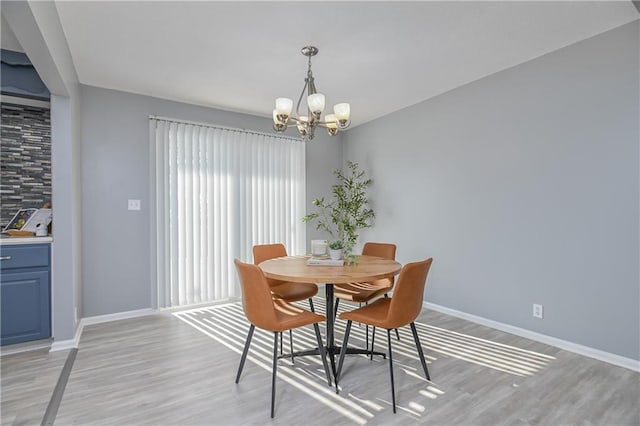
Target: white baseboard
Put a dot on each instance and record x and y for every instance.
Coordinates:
(17, 348)
(98, 319)
(202, 305)
(63, 345)
(608, 357)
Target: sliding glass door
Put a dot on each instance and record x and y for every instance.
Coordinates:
(219, 191)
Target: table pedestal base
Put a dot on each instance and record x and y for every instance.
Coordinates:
(332, 353)
(331, 349)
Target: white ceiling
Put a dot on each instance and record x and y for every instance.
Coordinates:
(379, 56)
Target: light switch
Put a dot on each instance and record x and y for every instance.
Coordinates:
(134, 205)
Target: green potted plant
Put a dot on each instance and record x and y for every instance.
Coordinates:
(347, 212)
(335, 249)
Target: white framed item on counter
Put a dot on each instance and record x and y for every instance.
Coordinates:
(29, 220)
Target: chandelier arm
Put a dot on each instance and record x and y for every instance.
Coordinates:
(318, 123)
(306, 83)
(312, 86)
(345, 125)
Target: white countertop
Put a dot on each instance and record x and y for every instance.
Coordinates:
(7, 240)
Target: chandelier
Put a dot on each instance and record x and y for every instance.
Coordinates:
(308, 122)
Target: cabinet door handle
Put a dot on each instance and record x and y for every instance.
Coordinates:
(5, 257)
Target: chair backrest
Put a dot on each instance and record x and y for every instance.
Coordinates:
(257, 301)
(387, 251)
(264, 252)
(384, 250)
(406, 303)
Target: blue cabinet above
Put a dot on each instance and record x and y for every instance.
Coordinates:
(20, 78)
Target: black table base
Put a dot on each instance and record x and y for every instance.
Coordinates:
(331, 349)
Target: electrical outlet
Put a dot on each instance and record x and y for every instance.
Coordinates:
(133, 205)
(538, 311)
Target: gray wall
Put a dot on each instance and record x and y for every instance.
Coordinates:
(115, 167)
(66, 254)
(523, 186)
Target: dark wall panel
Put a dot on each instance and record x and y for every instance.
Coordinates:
(25, 159)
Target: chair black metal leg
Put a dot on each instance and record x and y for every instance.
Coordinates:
(273, 375)
(311, 305)
(323, 354)
(397, 333)
(343, 352)
(290, 344)
(366, 339)
(335, 308)
(281, 343)
(373, 339)
(419, 347)
(245, 351)
(393, 390)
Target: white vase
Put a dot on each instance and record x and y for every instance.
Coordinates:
(335, 254)
(318, 248)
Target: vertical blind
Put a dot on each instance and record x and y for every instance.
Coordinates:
(219, 191)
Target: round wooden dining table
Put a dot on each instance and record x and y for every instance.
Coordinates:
(296, 269)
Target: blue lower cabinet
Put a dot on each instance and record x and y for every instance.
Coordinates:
(24, 295)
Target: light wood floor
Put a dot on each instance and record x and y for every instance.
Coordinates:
(179, 369)
(27, 381)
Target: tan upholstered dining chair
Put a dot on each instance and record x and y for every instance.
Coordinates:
(289, 292)
(368, 291)
(391, 313)
(275, 315)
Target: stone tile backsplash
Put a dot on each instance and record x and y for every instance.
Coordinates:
(25, 159)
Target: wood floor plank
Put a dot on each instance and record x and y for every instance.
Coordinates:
(179, 368)
(27, 381)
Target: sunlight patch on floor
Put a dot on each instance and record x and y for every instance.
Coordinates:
(227, 325)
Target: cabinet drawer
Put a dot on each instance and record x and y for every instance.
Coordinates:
(24, 256)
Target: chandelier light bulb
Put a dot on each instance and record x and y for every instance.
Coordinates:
(277, 119)
(284, 106)
(302, 126)
(342, 111)
(332, 122)
(278, 125)
(316, 103)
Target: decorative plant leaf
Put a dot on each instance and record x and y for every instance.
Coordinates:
(348, 212)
